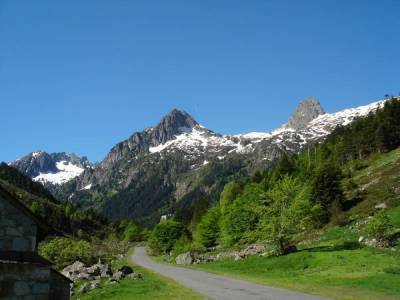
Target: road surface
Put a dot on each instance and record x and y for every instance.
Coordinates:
(217, 286)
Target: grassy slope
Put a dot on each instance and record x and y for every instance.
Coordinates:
(337, 266)
(152, 286)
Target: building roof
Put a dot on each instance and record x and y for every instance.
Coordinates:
(44, 228)
(61, 276)
(20, 257)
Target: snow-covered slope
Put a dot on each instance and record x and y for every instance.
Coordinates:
(199, 139)
(53, 168)
(65, 172)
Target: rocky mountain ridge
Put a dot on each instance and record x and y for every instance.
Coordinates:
(179, 162)
(51, 168)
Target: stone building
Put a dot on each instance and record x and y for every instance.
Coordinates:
(23, 273)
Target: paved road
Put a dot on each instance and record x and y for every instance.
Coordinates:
(216, 286)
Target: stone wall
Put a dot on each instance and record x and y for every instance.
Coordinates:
(17, 231)
(59, 287)
(24, 281)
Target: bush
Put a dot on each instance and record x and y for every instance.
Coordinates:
(145, 234)
(379, 226)
(132, 233)
(182, 245)
(164, 236)
(207, 231)
(64, 251)
(240, 218)
(237, 223)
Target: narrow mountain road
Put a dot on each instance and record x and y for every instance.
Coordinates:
(216, 286)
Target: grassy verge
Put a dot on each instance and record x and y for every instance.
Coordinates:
(152, 286)
(337, 267)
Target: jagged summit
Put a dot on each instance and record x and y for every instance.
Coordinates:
(175, 122)
(306, 111)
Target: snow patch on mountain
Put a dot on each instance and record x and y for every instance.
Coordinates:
(36, 154)
(193, 139)
(67, 171)
(87, 187)
(199, 139)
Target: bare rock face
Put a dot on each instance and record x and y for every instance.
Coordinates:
(184, 259)
(305, 112)
(173, 123)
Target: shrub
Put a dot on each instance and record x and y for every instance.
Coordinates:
(132, 233)
(64, 251)
(207, 231)
(164, 236)
(237, 223)
(241, 217)
(379, 226)
(182, 245)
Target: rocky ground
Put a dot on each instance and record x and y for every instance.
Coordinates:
(93, 275)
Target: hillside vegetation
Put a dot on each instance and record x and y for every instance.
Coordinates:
(331, 261)
(310, 211)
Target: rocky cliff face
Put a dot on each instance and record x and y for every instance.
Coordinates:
(308, 110)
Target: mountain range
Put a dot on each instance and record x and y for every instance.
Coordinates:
(178, 164)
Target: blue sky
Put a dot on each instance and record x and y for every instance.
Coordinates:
(80, 76)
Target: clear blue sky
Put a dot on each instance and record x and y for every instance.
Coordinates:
(80, 76)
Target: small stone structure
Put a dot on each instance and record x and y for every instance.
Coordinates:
(23, 273)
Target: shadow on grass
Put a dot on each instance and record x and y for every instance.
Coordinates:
(340, 247)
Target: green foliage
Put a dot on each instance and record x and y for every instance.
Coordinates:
(379, 226)
(289, 211)
(240, 218)
(64, 251)
(164, 236)
(326, 190)
(208, 230)
(132, 233)
(145, 234)
(182, 245)
(228, 195)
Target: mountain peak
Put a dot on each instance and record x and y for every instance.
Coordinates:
(306, 111)
(175, 122)
(179, 117)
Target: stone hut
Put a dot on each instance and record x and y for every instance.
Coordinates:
(23, 273)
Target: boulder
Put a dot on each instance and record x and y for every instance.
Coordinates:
(99, 269)
(95, 284)
(126, 270)
(117, 276)
(94, 270)
(381, 205)
(75, 271)
(184, 259)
